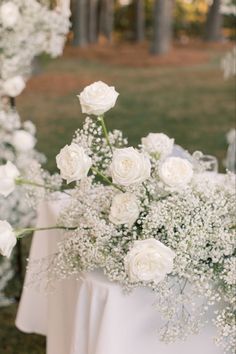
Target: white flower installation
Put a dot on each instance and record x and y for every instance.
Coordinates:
(151, 222)
(27, 29)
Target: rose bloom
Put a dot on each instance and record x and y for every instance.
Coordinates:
(149, 261)
(176, 172)
(14, 86)
(8, 174)
(98, 98)
(124, 209)
(73, 163)
(7, 238)
(158, 144)
(9, 14)
(129, 166)
(23, 141)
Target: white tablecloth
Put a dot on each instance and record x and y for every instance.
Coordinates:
(92, 315)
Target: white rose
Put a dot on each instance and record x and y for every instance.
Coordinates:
(176, 172)
(23, 141)
(73, 163)
(98, 98)
(158, 144)
(124, 209)
(8, 174)
(9, 14)
(7, 238)
(129, 166)
(14, 86)
(149, 260)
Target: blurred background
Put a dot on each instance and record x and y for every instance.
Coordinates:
(164, 57)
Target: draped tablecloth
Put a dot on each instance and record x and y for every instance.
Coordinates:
(92, 315)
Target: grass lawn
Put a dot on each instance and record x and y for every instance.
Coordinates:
(193, 104)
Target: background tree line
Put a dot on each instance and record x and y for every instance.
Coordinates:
(156, 20)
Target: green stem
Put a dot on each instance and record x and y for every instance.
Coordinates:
(104, 128)
(106, 179)
(21, 181)
(21, 232)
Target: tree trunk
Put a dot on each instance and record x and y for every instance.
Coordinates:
(214, 22)
(139, 20)
(162, 37)
(93, 21)
(106, 20)
(79, 22)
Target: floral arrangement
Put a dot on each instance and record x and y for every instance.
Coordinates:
(143, 216)
(17, 145)
(27, 29)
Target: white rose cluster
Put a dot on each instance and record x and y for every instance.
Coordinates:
(98, 98)
(149, 260)
(129, 167)
(73, 163)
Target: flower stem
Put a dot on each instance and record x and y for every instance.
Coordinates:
(106, 179)
(21, 181)
(22, 232)
(104, 128)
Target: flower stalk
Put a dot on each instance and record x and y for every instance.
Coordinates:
(22, 181)
(105, 132)
(106, 179)
(23, 232)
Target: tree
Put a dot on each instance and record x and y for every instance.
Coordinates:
(162, 31)
(93, 21)
(79, 22)
(213, 22)
(106, 18)
(139, 20)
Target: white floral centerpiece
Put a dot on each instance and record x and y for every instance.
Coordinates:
(145, 218)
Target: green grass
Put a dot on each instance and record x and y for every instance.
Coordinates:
(193, 104)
